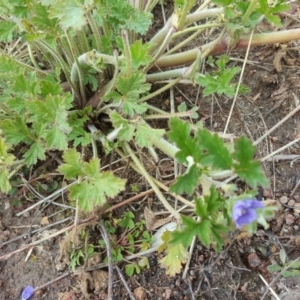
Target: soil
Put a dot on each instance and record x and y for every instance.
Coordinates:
(236, 273)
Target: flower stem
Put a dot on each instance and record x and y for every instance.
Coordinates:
(151, 182)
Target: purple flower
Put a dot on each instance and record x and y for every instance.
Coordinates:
(27, 292)
(244, 211)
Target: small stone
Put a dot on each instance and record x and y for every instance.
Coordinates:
(297, 197)
(168, 294)
(291, 203)
(253, 260)
(283, 199)
(274, 249)
(267, 193)
(297, 240)
(289, 219)
(260, 233)
(297, 208)
(139, 293)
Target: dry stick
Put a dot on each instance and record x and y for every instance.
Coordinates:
(134, 198)
(239, 83)
(150, 191)
(52, 281)
(125, 283)
(271, 290)
(35, 231)
(280, 149)
(295, 188)
(297, 108)
(191, 250)
(161, 185)
(149, 179)
(191, 289)
(49, 199)
(284, 157)
(109, 258)
(277, 277)
(172, 107)
(28, 246)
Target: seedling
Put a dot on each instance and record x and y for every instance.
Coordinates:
(287, 267)
(132, 237)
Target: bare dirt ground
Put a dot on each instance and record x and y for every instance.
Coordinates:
(273, 74)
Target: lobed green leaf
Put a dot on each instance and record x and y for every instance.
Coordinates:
(246, 168)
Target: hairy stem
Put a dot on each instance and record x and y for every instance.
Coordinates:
(189, 56)
(151, 182)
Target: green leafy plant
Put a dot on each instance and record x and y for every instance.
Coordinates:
(80, 254)
(128, 237)
(66, 66)
(287, 267)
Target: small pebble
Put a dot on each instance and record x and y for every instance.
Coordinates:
(267, 193)
(253, 260)
(297, 197)
(283, 199)
(297, 241)
(291, 203)
(289, 219)
(297, 208)
(139, 293)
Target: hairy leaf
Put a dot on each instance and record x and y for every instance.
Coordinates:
(246, 168)
(127, 130)
(216, 154)
(176, 254)
(186, 182)
(95, 189)
(35, 152)
(186, 235)
(139, 54)
(73, 166)
(94, 186)
(145, 135)
(180, 134)
(7, 29)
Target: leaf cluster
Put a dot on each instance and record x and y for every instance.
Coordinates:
(288, 268)
(176, 254)
(219, 82)
(93, 186)
(242, 16)
(204, 151)
(210, 225)
(127, 237)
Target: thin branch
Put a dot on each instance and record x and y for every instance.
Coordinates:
(28, 246)
(34, 231)
(125, 283)
(151, 182)
(109, 258)
(239, 83)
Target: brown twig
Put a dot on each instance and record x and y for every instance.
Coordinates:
(26, 247)
(125, 283)
(109, 258)
(35, 231)
(52, 281)
(191, 289)
(134, 198)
